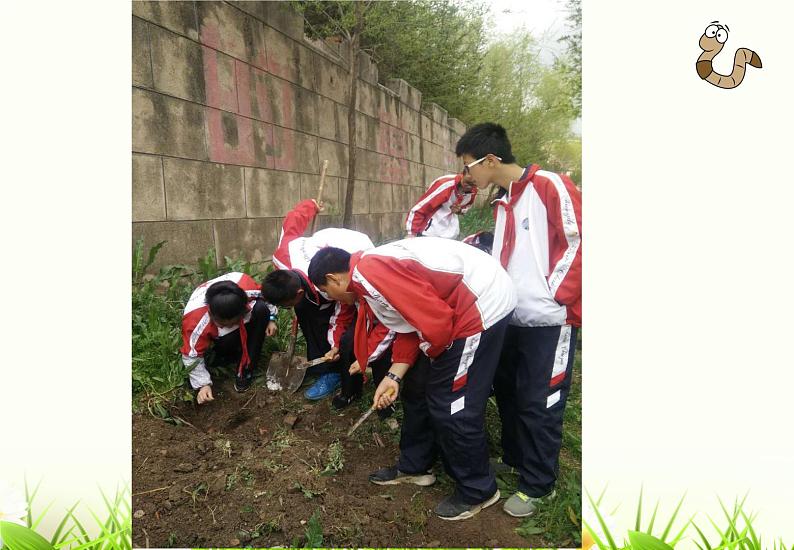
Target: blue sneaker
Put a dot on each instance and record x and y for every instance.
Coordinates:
(325, 385)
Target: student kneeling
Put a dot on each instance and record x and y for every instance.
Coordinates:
(229, 312)
(453, 302)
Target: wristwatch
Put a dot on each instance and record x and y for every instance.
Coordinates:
(394, 377)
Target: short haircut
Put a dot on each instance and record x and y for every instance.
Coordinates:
(483, 139)
(226, 300)
(328, 260)
(281, 286)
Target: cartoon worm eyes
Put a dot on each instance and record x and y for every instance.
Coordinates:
(714, 37)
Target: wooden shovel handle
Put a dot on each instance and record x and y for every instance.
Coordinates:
(323, 170)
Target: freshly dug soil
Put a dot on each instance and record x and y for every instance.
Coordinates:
(251, 469)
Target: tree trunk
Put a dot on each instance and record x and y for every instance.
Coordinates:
(353, 47)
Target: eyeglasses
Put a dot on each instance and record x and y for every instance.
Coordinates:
(467, 167)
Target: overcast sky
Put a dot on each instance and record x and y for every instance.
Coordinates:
(545, 19)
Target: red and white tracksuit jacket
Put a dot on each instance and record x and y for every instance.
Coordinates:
(434, 209)
(538, 239)
(295, 252)
(430, 291)
(198, 329)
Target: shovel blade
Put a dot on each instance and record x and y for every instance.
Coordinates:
(284, 376)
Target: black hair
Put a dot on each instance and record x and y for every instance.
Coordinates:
(485, 138)
(328, 260)
(226, 300)
(485, 241)
(281, 286)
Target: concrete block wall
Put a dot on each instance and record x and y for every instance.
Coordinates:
(233, 111)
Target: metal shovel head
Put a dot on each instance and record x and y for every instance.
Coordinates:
(285, 376)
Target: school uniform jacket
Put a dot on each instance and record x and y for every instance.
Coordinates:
(199, 331)
(430, 291)
(295, 252)
(538, 239)
(432, 216)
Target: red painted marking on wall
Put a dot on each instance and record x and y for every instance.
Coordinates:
(219, 94)
(264, 105)
(284, 145)
(288, 105)
(220, 150)
(210, 34)
(243, 75)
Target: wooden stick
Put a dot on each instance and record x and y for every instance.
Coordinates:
(323, 169)
(186, 422)
(151, 491)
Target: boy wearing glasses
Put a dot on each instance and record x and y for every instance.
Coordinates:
(436, 212)
(537, 239)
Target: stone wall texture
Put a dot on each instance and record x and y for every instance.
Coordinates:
(233, 110)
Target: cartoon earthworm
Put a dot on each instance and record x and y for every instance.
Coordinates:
(711, 43)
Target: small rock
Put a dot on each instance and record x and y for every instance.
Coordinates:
(168, 505)
(262, 430)
(164, 452)
(234, 542)
(290, 420)
(138, 514)
(244, 536)
(433, 544)
(308, 407)
(303, 522)
(184, 467)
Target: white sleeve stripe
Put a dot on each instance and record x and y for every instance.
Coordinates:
(421, 203)
(332, 323)
(382, 346)
(371, 290)
(279, 264)
(196, 334)
(571, 229)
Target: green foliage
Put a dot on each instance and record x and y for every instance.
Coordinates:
(531, 100)
(571, 64)
(438, 49)
(736, 531)
(314, 531)
(115, 529)
(479, 218)
(336, 459)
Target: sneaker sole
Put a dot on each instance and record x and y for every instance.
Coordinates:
(423, 480)
(471, 513)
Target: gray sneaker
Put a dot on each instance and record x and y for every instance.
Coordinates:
(520, 505)
(453, 508)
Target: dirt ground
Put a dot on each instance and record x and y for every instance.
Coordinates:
(251, 469)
